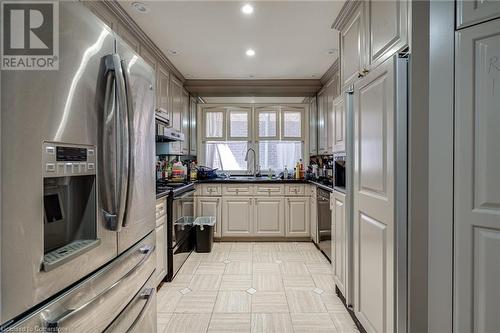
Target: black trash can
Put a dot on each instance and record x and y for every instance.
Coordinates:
(204, 233)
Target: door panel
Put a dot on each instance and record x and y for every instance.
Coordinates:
(471, 12)
(477, 182)
(268, 217)
(388, 29)
(297, 217)
(373, 194)
(352, 40)
(340, 125)
(237, 213)
(339, 242)
(140, 214)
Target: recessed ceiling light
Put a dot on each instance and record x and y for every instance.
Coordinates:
(247, 9)
(140, 7)
(251, 76)
(173, 52)
(332, 51)
(250, 52)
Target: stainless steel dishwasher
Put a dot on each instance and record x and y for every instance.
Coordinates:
(324, 222)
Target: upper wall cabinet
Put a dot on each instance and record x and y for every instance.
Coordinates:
(473, 12)
(388, 27)
(163, 107)
(128, 37)
(185, 122)
(370, 32)
(192, 126)
(313, 129)
(175, 103)
(353, 44)
(339, 130)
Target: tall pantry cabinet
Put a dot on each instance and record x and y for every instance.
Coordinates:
(477, 162)
(372, 33)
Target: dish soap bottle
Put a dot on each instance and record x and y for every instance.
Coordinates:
(285, 173)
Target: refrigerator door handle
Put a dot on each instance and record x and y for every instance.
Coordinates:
(129, 137)
(115, 154)
(56, 324)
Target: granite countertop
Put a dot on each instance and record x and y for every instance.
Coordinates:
(260, 180)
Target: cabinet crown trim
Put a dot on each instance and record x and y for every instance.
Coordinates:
(349, 7)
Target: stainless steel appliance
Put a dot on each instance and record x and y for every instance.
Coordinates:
(78, 184)
(324, 222)
(180, 218)
(339, 171)
(165, 133)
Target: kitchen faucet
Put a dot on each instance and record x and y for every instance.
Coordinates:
(254, 161)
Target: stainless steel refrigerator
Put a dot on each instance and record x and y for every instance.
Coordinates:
(78, 197)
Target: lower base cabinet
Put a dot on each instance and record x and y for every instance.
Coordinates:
(268, 217)
(339, 233)
(210, 206)
(161, 269)
(237, 216)
(297, 217)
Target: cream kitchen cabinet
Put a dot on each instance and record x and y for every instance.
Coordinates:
(313, 127)
(210, 206)
(388, 29)
(237, 190)
(185, 122)
(297, 217)
(237, 216)
(322, 122)
(330, 120)
(160, 233)
(128, 37)
(163, 94)
(314, 214)
(161, 253)
(473, 12)
(295, 189)
(339, 129)
(353, 43)
(268, 216)
(208, 190)
(339, 240)
(175, 91)
(477, 181)
(193, 150)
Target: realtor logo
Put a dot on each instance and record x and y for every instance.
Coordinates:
(30, 35)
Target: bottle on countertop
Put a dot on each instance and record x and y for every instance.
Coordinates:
(193, 171)
(301, 169)
(297, 171)
(285, 173)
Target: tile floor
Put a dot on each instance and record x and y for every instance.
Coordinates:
(253, 287)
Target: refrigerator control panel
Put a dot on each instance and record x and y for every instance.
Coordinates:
(61, 160)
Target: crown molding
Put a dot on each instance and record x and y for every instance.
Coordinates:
(127, 21)
(330, 73)
(257, 88)
(345, 14)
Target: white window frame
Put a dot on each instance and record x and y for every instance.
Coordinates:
(253, 138)
(290, 109)
(267, 109)
(246, 110)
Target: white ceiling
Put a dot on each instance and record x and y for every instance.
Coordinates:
(238, 100)
(291, 38)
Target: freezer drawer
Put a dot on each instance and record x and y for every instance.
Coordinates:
(140, 314)
(92, 305)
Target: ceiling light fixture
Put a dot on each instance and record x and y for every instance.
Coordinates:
(173, 52)
(247, 9)
(140, 7)
(332, 51)
(250, 53)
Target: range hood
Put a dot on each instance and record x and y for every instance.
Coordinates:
(167, 134)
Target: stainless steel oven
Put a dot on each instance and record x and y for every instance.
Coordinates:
(180, 218)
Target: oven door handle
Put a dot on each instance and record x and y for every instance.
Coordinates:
(185, 195)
